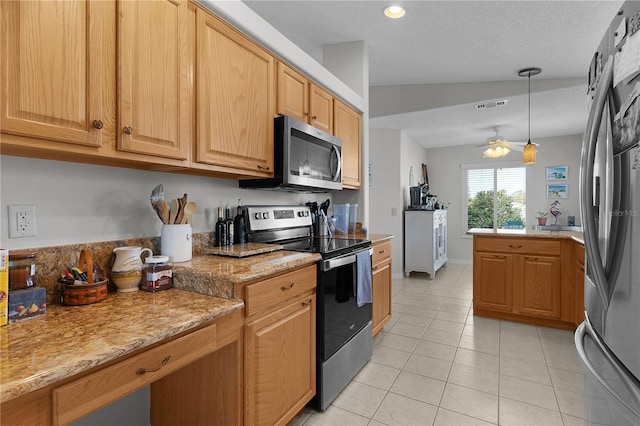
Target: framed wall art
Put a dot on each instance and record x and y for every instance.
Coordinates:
(557, 191)
(557, 172)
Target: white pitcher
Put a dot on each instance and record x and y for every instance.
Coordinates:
(126, 272)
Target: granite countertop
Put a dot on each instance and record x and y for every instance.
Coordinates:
(68, 340)
(220, 275)
(374, 238)
(573, 235)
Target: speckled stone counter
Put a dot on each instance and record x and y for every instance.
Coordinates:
(220, 275)
(575, 236)
(72, 339)
(374, 238)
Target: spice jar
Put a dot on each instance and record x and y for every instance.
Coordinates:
(157, 274)
(22, 268)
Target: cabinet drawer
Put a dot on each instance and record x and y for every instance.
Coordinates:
(519, 245)
(271, 292)
(82, 396)
(381, 251)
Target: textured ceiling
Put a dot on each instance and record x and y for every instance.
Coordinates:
(461, 42)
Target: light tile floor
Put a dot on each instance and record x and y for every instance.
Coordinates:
(437, 364)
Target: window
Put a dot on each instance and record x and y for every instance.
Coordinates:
(495, 196)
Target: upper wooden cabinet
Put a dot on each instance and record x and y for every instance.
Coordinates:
(154, 114)
(53, 69)
(235, 101)
(302, 99)
(347, 124)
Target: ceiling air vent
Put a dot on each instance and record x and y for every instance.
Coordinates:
(491, 104)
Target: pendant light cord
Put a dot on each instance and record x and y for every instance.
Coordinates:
(529, 108)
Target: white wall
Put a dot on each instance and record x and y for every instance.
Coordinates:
(78, 203)
(445, 178)
(392, 155)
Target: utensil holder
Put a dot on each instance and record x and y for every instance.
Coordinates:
(175, 242)
(85, 294)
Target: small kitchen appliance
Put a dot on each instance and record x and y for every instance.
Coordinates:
(305, 159)
(343, 329)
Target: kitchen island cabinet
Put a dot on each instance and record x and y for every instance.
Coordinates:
(521, 278)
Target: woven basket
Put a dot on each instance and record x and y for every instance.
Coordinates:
(85, 294)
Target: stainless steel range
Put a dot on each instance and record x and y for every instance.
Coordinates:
(344, 330)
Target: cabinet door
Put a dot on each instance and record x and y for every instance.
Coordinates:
(346, 123)
(154, 78)
(53, 66)
(492, 281)
(280, 357)
(381, 309)
(235, 100)
(321, 108)
(537, 286)
(293, 93)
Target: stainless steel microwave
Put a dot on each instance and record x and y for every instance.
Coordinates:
(306, 159)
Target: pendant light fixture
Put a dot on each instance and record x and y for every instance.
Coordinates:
(529, 155)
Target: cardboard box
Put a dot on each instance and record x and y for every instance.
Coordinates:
(26, 304)
(4, 286)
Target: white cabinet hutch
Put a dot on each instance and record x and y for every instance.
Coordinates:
(425, 241)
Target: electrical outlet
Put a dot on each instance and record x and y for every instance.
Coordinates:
(394, 211)
(22, 221)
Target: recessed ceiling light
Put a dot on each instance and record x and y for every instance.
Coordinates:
(394, 12)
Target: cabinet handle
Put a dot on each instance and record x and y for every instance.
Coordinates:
(305, 303)
(375, 268)
(581, 269)
(499, 257)
(306, 114)
(285, 288)
(514, 247)
(263, 168)
(146, 370)
(128, 130)
(315, 117)
(534, 259)
(98, 124)
(381, 251)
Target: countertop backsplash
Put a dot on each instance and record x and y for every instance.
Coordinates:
(52, 261)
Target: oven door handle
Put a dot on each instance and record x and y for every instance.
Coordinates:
(329, 264)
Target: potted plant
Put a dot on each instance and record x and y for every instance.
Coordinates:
(542, 218)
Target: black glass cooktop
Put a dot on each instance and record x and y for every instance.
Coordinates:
(326, 246)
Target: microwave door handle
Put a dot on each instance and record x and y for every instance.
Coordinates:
(593, 256)
(336, 176)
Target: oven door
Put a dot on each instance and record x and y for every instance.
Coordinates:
(339, 317)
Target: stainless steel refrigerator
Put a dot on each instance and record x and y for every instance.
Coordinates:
(608, 341)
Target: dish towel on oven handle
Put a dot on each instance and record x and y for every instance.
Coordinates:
(363, 279)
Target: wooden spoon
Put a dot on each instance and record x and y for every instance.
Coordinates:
(180, 211)
(173, 211)
(164, 208)
(189, 209)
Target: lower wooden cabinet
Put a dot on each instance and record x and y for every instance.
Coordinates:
(280, 347)
(381, 283)
(521, 279)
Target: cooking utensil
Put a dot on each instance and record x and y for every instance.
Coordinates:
(180, 212)
(164, 209)
(157, 194)
(173, 211)
(189, 209)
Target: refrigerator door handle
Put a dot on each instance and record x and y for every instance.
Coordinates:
(586, 329)
(594, 259)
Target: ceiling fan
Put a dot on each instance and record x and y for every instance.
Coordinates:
(497, 146)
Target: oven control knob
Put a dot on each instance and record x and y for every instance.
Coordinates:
(258, 215)
(300, 214)
(265, 215)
